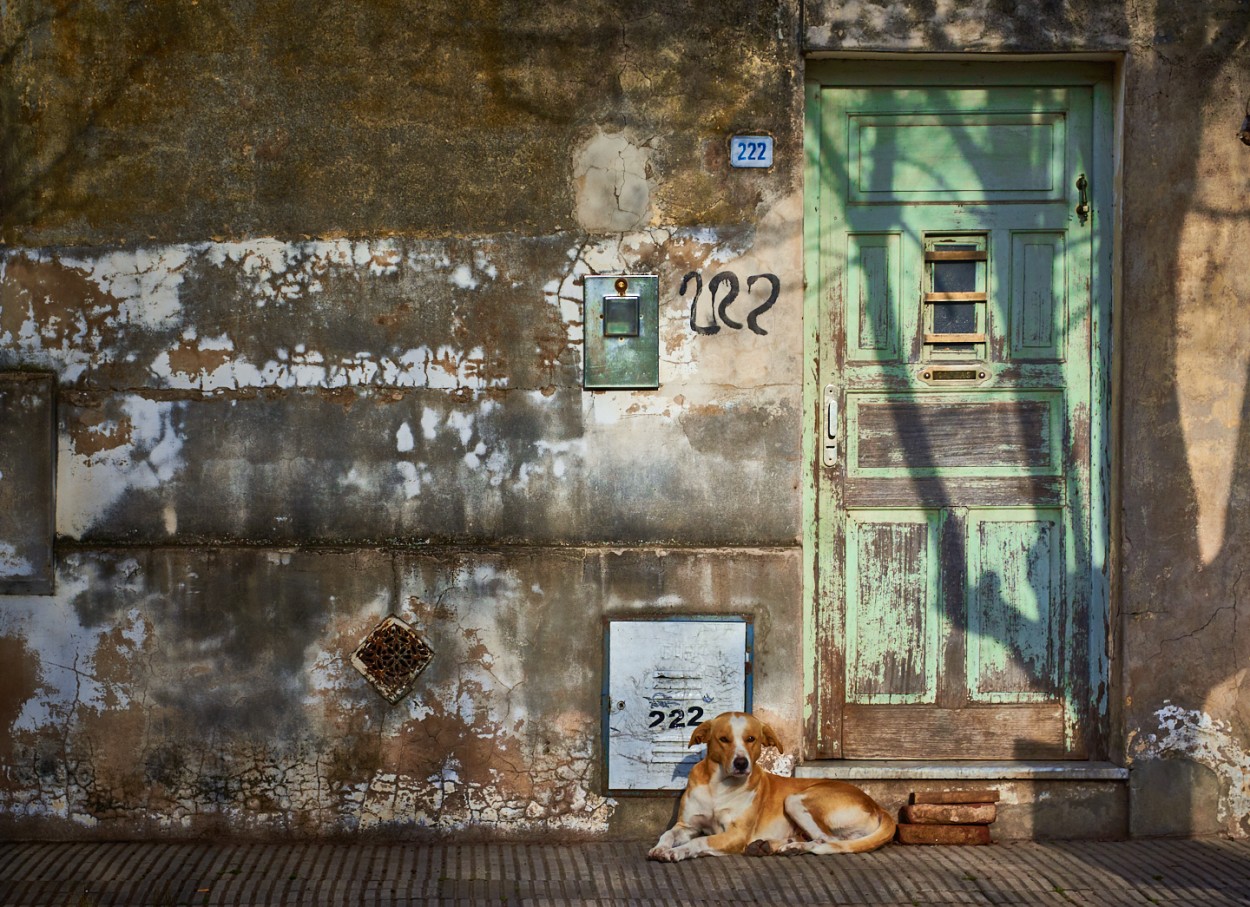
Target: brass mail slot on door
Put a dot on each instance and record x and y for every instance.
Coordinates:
(954, 376)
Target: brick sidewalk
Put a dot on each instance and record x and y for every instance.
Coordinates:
(613, 875)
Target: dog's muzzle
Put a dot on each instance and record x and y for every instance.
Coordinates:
(742, 765)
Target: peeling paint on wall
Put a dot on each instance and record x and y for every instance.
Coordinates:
(1196, 735)
(160, 316)
(129, 717)
(443, 368)
(144, 281)
(80, 314)
(177, 355)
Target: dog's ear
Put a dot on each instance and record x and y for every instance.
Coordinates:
(701, 733)
(770, 739)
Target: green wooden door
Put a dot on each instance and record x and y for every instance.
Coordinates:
(955, 278)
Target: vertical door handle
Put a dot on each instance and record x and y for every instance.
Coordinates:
(1082, 200)
(830, 440)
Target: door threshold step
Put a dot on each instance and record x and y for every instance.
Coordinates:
(919, 770)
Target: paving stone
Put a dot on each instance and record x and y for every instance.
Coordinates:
(319, 874)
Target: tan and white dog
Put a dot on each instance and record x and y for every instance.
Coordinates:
(732, 805)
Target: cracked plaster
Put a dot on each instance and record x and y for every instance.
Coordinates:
(90, 744)
(613, 183)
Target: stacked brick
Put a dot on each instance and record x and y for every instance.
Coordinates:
(949, 817)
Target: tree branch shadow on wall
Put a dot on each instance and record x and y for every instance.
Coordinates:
(34, 160)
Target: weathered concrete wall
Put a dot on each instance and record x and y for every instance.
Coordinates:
(308, 282)
(978, 26)
(1185, 471)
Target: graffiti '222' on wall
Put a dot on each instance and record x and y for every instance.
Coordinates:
(707, 318)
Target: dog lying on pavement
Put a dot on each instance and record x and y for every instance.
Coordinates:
(732, 805)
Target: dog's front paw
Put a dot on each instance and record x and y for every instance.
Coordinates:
(759, 848)
(663, 854)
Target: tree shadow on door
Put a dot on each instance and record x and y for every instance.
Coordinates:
(1182, 604)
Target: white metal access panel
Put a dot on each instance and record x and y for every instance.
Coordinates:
(663, 678)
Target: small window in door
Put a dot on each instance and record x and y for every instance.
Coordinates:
(955, 300)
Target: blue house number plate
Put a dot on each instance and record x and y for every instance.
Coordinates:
(751, 151)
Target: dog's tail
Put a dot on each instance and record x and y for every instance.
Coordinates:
(883, 834)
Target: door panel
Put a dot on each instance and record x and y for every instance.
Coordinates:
(882, 732)
(1015, 604)
(955, 346)
(872, 294)
(1039, 321)
(952, 434)
(891, 651)
(974, 156)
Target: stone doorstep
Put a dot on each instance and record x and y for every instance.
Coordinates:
(903, 770)
(1038, 800)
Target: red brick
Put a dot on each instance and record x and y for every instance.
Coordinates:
(943, 834)
(955, 796)
(950, 814)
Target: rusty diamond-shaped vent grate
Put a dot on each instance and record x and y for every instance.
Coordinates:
(391, 657)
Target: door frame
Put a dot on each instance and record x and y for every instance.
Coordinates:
(1103, 76)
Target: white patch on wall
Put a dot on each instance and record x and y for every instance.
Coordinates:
(66, 648)
(462, 424)
(145, 281)
(429, 424)
(384, 258)
(414, 477)
(1193, 734)
(88, 485)
(484, 265)
(404, 441)
(354, 480)
(473, 459)
(13, 564)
